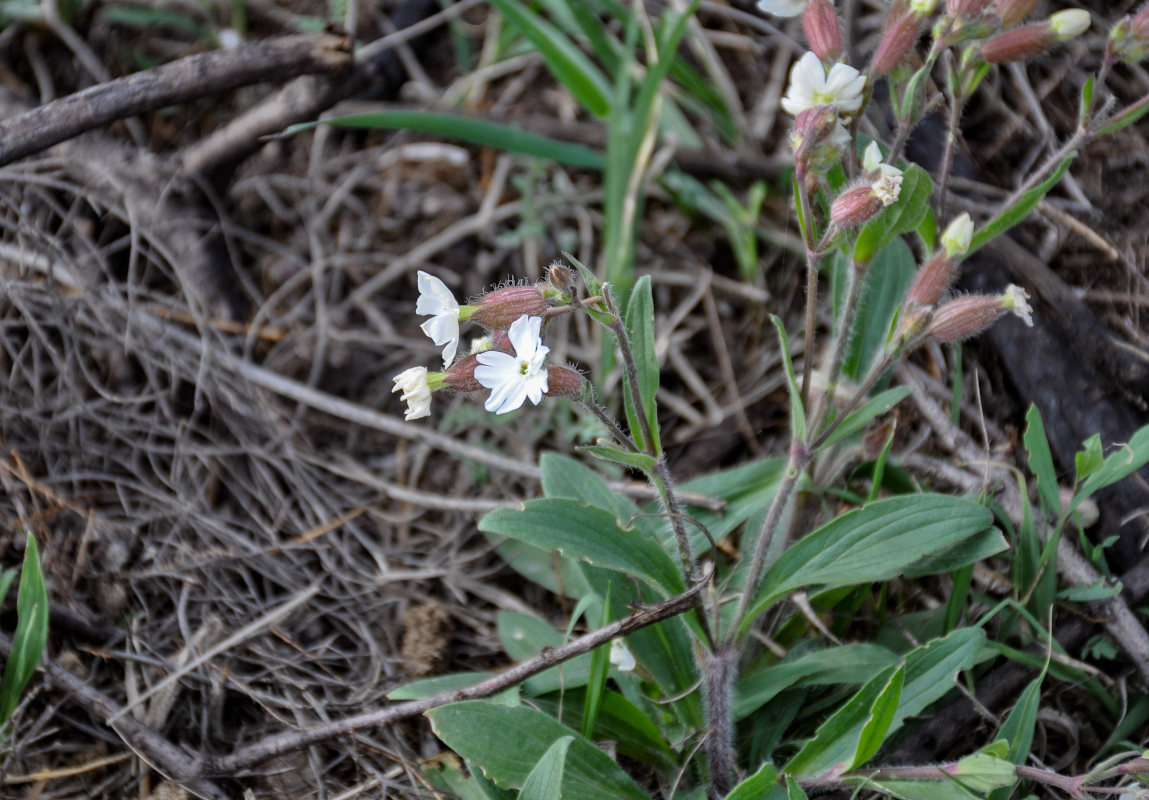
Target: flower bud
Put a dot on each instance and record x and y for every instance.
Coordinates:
(896, 43)
(461, 376)
(561, 277)
(966, 8)
(1014, 11)
(823, 31)
(957, 236)
(923, 8)
(818, 139)
(967, 316)
(1069, 24)
(499, 308)
(563, 382)
(1129, 38)
(1018, 44)
(860, 203)
(932, 281)
(854, 207)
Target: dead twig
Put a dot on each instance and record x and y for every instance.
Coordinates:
(279, 744)
(188, 78)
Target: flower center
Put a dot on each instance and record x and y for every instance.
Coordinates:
(524, 366)
(824, 98)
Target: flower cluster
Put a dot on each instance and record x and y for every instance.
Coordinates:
(509, 360)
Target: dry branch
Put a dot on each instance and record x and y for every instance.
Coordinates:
(178, 82)
(272, 746)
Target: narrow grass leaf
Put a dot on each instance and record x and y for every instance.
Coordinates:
(1019, 210)
(569, 65)
(507, 743)
(596, 681)
(1019, 727)
(31, 631)
(1041, 461)
(463, 128)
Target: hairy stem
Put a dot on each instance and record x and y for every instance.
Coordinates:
(719, 670)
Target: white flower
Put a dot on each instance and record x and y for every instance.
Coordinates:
(874, 161)
(810, 87)
(443, 327)
(782, 8)
(513, 379)
(621, 656)
(1014, 299)
(416, 392)
(887, 188)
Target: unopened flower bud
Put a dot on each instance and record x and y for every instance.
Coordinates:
(967, 9)
(860, 203)
(967, 316)
(896, 43)
(1014, 11)
(923, 8)
(1069, 24)
(461, 375)
(854, 207)
(957, 236)
(1019, 44)
(818, 139)
(499, 308)
(1129, 38)
(563, 382)
(823, 30)
(560, 277)
(932, 281)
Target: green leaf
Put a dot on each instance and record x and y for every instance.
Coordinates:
(1102, 590)
(524, 636)
(882, 714)
(619, 721)
(616, 455)
(871, 544)
(570, 66)
(1127, 116)
(446, 775)
(746, 490)
(596, 680)
(545, 781)
(981, 773)
(507, 743)
(848, 664)
(1117, 465)
(6, 579)
(460, 127)
(1089, 459)
(887, 281)
(1017, 730)
(871, 409)
(758, 786)
(797, 412)
(794, 790)
(980, 546)
(929, 674)
(1019, 210)
(589, 534)
(1041, 460)
(640, 331)
(429, 687)
(903, 216)
(31, 631)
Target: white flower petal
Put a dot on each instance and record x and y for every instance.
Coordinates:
(514, 379)
(416, 392)
(443, 327)
(782, 8)
(872, 157)
(845, 84)
(621, 656)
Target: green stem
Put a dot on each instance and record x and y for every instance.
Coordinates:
(856, 280)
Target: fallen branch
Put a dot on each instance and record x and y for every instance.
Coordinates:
(246, 757)
(180, 81)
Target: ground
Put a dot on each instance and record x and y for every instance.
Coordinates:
(201, 323)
